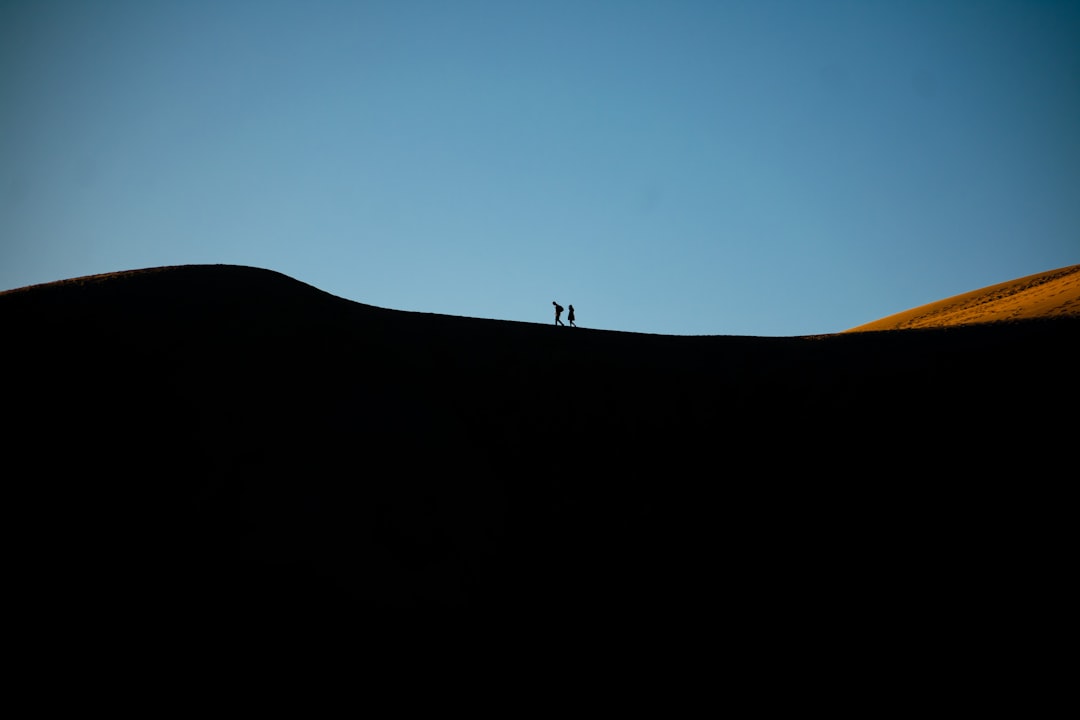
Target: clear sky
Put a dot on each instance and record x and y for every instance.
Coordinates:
(714, 167)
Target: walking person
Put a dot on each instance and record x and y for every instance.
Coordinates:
(570, 316)
(558, 313)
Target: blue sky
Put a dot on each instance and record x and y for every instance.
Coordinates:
(722, 167)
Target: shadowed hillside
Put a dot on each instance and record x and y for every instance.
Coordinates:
(228, 441)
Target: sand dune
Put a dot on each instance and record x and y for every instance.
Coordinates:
(1051, 294)
(223, 441)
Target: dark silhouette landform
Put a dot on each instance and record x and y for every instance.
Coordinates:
(226, 442)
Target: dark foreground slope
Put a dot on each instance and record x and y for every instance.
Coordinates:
(228, 442)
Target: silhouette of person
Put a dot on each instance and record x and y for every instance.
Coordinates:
(558, 312)
(570, 316)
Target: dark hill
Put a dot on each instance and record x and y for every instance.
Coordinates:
(227, 441)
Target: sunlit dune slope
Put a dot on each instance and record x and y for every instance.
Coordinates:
(1051, 294)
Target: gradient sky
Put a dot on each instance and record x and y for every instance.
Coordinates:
(723, 167)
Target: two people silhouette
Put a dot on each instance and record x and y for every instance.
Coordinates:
(558, 314)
